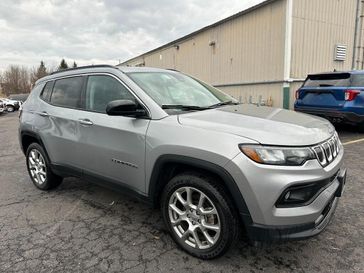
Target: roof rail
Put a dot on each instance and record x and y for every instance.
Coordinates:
(84, 67)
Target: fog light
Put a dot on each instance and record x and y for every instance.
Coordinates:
(301, 195)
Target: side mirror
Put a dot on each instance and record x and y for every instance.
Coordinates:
(126, 108)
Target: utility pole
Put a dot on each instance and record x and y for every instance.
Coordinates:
(360, 37)
(356, 45)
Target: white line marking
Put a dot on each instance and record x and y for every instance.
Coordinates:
(353, 141)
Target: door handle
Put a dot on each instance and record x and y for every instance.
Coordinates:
(86, 122)
(43, 114)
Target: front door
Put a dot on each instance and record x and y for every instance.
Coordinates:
(111, 146)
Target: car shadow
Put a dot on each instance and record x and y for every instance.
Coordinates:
(342, 127)
(140, 215)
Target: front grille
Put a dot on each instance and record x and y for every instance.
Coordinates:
(327, 151)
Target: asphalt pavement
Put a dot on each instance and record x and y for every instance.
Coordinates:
(81, 227)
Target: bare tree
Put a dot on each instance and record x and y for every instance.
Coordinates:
(16, 80)
(1, 84)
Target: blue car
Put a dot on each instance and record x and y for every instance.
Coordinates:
(337, 96)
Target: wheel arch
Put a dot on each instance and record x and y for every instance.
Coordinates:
(27, 138)
(167, 166)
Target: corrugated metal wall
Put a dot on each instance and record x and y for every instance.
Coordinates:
(249, 48)
(317, 27)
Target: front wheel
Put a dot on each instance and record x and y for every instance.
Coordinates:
(198, 214)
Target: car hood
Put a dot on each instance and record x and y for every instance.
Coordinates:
(266, 125)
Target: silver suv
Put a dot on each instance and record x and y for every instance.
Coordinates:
(213, 165)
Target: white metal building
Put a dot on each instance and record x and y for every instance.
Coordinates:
(266, 51)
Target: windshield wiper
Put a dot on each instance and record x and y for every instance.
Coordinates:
(183, 107)
(326, 85)
(229, 102)
(195, 107)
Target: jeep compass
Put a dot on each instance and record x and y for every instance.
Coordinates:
(214, 166)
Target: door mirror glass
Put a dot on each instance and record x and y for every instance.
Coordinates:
(126, 108)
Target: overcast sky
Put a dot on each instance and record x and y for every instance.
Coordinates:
(99, 31)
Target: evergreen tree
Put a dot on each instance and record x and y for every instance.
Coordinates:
(42, 70)
(38, 73)
(63, 65)
(74, 64)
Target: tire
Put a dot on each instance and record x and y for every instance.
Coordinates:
(38, 166)
(197, 221)
(10, 108)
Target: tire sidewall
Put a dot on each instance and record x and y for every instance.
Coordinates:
(222, 208)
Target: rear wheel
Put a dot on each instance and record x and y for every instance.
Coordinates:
(198, 215)
(39, 168)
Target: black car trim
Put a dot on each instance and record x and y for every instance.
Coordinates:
(34, 135)
(228, 181)
(269, 234)
(109, 183)
(319, 186)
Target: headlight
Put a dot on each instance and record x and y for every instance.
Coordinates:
(277, 155)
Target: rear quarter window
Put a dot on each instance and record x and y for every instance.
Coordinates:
(47, 91)
(67, 92)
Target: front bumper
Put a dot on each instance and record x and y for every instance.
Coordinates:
(262, 185)
(264, 233)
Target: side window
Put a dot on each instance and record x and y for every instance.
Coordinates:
(47, 91)
(103, 89)
(67, 92)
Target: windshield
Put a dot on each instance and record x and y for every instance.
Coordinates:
(176, 90)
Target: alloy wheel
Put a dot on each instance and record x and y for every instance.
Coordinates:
(194, 218)
(37, 166)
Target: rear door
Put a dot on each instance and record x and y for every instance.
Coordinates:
(60, 128)
(324, 91)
